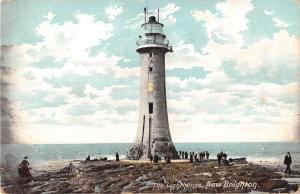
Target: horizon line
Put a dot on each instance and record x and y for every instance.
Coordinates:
(291, 141)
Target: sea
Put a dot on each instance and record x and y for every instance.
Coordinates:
(54, 156)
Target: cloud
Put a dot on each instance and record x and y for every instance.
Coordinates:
(166, 16)
(73, 39)
(113, 11)
(184, 56)
(49, 16)
(42, 102)
(283, 48)
(217, 102)
(20, 55)
(216, 99)
(230, 20)
(232, 108)
(280, 23)
(268, 12)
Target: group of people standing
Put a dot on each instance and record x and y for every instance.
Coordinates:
(156, 158)
(192, 156)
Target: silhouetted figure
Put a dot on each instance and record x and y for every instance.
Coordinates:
(88, 158)
(186, 155)
(156, 158)
(195, 157)
(191, 158)
(219, 156)
(117, 157)
(201, 155)
(182, 155)
(207, 155)
(179, 152)
(225, 156)
(288, 162)
(24, 168)
(68, 168)
(151, 158)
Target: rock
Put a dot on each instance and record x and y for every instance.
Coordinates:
(209, 174)
(293, 187)
(112, 177)
(280, 190)
(126, 188)
(141, 189)
(270, 185)
(142, 178)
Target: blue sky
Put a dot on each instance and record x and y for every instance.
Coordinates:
(75, 73)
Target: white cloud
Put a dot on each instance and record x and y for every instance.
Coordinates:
(184, 56)
(218, 105)
(228, 22)
(166, 16)
(103, 119)
(268, 12)
(282, 49)
(233, 111)
(113, 11)
(49, 16)
(20, 55)
(73, 39)
(280, 23)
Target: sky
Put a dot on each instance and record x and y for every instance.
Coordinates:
(70, 72)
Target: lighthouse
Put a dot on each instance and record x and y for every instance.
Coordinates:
(153, 133)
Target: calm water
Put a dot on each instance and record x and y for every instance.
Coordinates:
(47, 156)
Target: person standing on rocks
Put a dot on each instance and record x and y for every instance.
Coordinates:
(24, 168)
(207, 155)
(195, 157)
(117, 157)
(288, 162)
(219, 156)
(225, 156)
(191, 157)
(156, 158)
(186, 155)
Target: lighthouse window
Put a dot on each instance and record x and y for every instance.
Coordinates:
(150, 54)
(150, 69)
(151, 107)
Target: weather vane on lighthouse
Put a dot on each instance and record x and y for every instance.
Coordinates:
(153, 134)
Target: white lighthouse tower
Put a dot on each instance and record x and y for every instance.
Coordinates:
(153, 133)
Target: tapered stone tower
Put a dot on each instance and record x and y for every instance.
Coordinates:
(153, 133)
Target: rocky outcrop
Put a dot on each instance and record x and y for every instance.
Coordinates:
(137, 176)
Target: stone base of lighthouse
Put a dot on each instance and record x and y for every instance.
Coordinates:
(160, 148)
